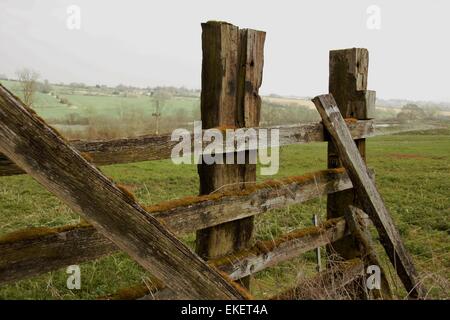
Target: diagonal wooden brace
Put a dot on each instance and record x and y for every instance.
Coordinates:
(355, 222)
(47, 157)
(368, 194)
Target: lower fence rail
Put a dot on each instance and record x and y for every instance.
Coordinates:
(35, 251)
(262, 255)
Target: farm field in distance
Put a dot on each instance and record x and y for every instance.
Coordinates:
(81, 112)
(412, 173)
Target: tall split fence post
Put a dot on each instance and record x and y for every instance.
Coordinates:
(231, 76)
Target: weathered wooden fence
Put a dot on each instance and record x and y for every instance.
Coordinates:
(231, 76)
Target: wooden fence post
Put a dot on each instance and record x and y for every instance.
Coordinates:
(348, 84)
(231, 76)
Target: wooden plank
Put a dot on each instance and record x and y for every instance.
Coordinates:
(231, 76)
(43, 154)
(145, 148)
(189, 215)
(368, 195)
(327, 285)
(270, 253)
(262, 255)
(34, 251)
(358, 227)
(348, 83)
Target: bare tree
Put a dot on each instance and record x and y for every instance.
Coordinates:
(29, 82)
(160, 96)
(44, 87)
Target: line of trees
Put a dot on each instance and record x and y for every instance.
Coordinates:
(412, 111)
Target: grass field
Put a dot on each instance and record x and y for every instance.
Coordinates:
(412, 173)
(98, 103)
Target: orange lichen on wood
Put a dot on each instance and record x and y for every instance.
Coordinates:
(126, 192)
(87, 156)
(133, 293)
(36, 232)
(244, 292)
(309, 231)
(183, 202)
(232, 258)
(350, 120)
(265, 247)
(247, 190)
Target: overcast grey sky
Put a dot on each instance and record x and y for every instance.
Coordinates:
(158, 42)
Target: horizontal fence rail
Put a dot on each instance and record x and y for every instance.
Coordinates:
(145, 148)
(262, 255)
(269, 253)
(35, 251)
